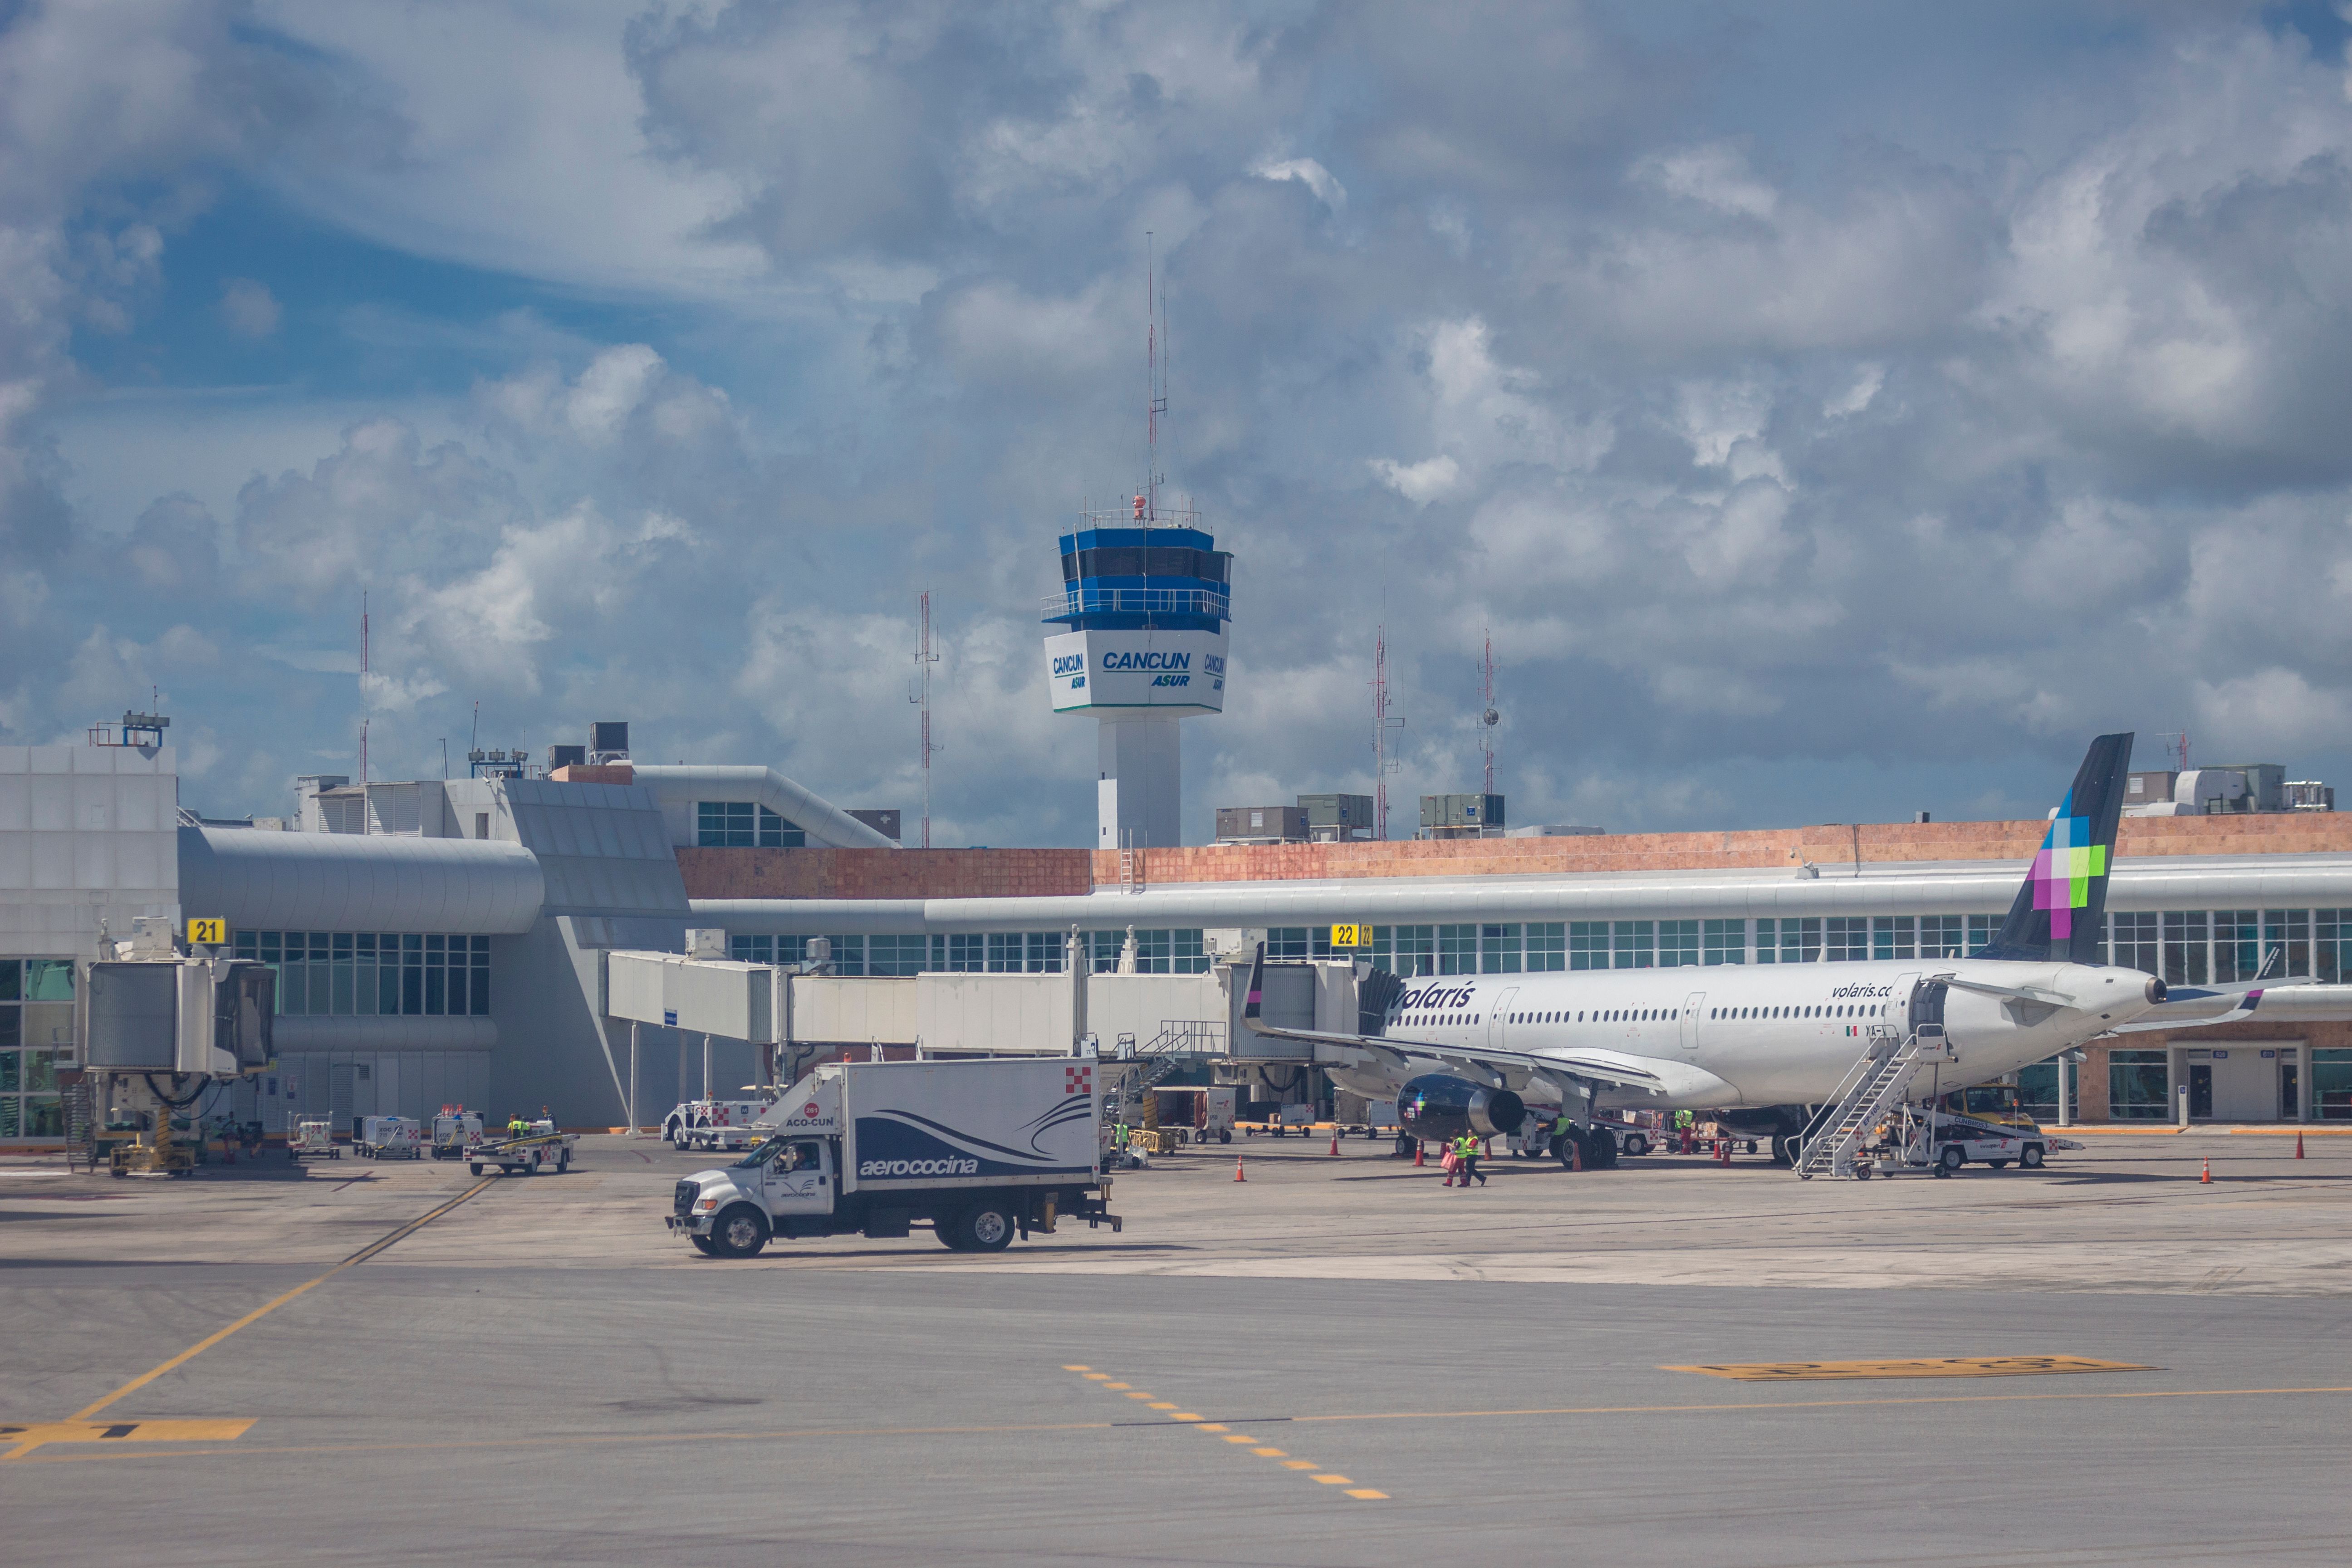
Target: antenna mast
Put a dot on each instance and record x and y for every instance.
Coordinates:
(1487, 717)
(363, 714)
(1155, 387)
(924, 660)
(1383, 764)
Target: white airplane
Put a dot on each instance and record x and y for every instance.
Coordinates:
(1762, 1046)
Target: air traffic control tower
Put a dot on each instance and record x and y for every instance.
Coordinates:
(1145, 601)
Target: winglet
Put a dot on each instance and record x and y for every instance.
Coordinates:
(1252, 1009)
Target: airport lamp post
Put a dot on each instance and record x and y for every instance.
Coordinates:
(633, 1078)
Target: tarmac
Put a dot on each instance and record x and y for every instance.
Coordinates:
(1336, 1361)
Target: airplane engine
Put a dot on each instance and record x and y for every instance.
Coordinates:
(1438, 1106)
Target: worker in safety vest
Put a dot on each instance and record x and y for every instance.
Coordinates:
(516, 1126)
(1465, 1154)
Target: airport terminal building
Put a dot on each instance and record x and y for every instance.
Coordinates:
(447, 940)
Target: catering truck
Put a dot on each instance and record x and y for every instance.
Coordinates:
(982, 1149)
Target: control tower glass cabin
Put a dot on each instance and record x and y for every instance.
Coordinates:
(1146, 611)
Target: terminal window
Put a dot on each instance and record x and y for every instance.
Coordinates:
(2137, 943)
(1727, 941)
(2331, 1083)
(1633, 944)
(2236, 946)
(1894, 936)
(1981, 930)
(1940, 936)
(1789, 940)
(2137, 1086)
(1498, 950)
(743, 824)
(2186, 939)
(1588, 944)
(1457, 950)
(37, 1034)
(1846, 938)
(1406, 949)
(1289, 942)
(2333, 944)
(342, 975)
(1678, 944)
(2287, 932)
(1546, 946)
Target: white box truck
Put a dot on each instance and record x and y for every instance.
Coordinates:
(982, 1149)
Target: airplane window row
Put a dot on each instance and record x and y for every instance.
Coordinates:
(1648, 1015)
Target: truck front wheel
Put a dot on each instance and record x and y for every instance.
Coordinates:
(740, 1232)
(989, 1228)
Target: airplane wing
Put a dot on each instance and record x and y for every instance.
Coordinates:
(2187, 1007)
(1602, 1067)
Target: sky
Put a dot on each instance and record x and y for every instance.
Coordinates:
(1828, 411)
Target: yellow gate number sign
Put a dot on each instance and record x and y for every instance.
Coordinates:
(1352, 936)
(207, 933)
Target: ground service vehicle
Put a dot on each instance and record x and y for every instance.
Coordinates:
(454, 1128)
(725, 1124)
(526, 1153)
(1199, 1115)
(312, 1139)
(1939, 1142)
(984, 1149)
(391, 1138)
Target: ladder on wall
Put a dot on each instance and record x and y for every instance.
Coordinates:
(1870, 1089)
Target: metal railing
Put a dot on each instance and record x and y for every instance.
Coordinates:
(1083, 601)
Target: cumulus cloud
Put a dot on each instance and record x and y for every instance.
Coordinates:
(1766, 438)
(249, 307)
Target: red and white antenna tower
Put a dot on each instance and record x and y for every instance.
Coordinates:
(924, 660)
(1487, 716)
(1383, 764)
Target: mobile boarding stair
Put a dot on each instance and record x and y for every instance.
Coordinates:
(1873, 1087)
(1136, 1071)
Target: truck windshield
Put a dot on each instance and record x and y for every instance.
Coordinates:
(760, 1155)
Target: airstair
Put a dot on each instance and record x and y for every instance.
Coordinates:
(1138, 1070)
(1872, 1087)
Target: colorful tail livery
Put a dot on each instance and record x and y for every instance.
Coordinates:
(2061, 912)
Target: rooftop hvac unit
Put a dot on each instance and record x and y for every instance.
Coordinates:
(608, 741)
(566, 756)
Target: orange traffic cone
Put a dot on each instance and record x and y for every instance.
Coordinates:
(2298, 1142)
(1417, 1148)
(2206, 1177)
(1335, 1140)
(1238, 1170)
(1575, 1154)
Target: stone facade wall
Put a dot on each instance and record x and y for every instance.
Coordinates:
(821, 873)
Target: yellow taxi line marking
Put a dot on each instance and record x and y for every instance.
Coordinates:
(25, 1438)
(209, 1341)
(109, 1451)
(1930, 1366)
(1080, 1369)
(1190, 1419)
(1118, 1386)
(1096, 1376)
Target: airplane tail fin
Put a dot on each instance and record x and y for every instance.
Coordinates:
(1251, 1008)
(2061, 911)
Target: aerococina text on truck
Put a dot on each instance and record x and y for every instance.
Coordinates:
(982, 1149)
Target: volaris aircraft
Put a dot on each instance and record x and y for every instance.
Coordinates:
(1764, 1046)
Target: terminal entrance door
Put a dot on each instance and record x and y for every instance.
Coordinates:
(2237, 1082)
